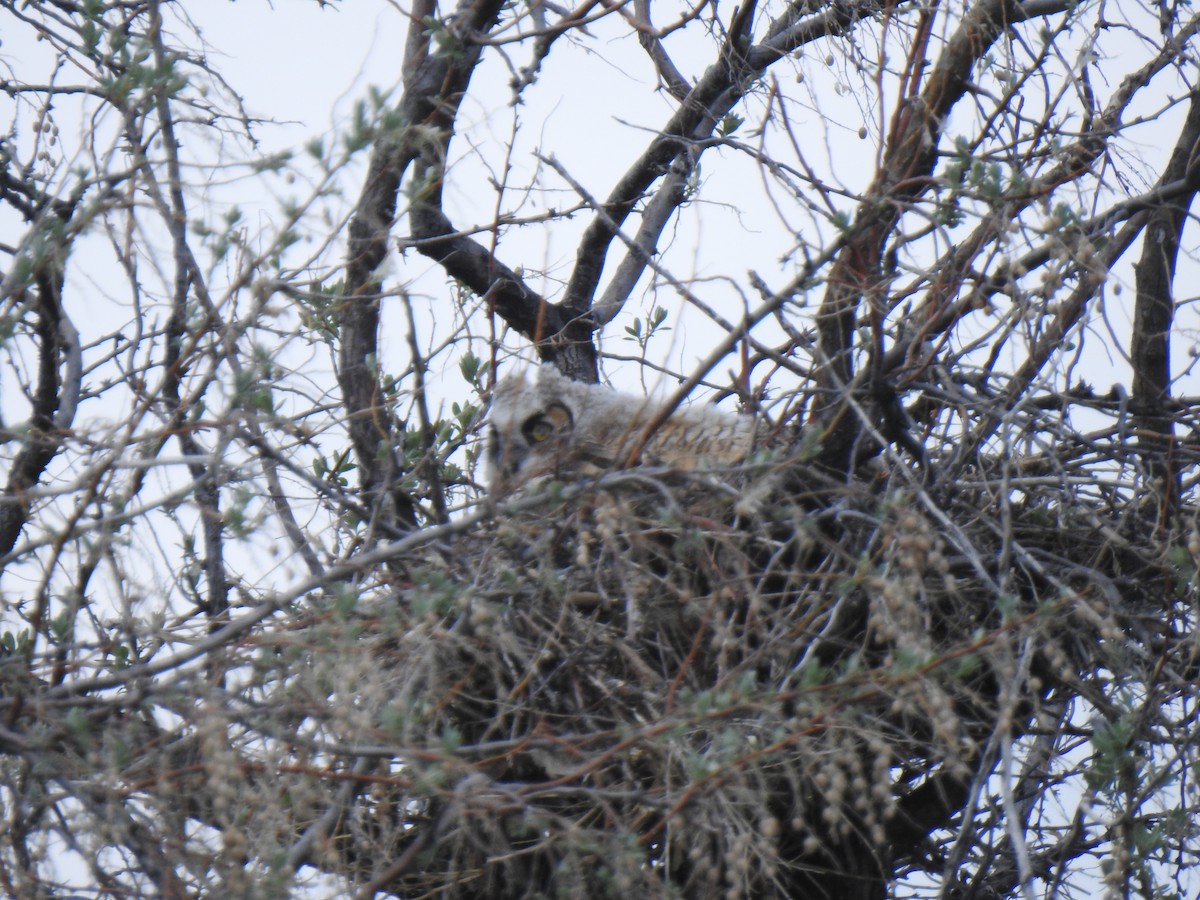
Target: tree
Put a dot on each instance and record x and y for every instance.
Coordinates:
(262, 635)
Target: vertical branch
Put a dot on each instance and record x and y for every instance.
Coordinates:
(908, 160)
(207, 490)
(371, 427)
(57, 391)
(434, 85)
(1154, 312)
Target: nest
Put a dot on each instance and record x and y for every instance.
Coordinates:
(723, 684)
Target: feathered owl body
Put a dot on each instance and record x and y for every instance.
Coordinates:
(549, 425)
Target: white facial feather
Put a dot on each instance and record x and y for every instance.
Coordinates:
(550, 425)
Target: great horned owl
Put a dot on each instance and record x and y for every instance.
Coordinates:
(554, 426)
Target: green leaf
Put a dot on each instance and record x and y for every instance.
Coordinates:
(731, 123)
(470, 366)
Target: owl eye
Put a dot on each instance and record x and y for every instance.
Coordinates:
(538, 429)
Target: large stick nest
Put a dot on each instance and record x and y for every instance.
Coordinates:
(728, 682)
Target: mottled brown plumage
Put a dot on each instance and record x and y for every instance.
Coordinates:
(549, 425)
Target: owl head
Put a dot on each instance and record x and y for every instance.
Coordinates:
(538, 426)
(527, 431)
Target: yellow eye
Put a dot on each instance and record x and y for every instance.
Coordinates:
(540, 427)
(538, 430)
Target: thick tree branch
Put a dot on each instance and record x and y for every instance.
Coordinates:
(908, 160)
(434, 86)
(1154, 313)
(59, 369)
(721, 86)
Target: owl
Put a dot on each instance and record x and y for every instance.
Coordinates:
(548, 425)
